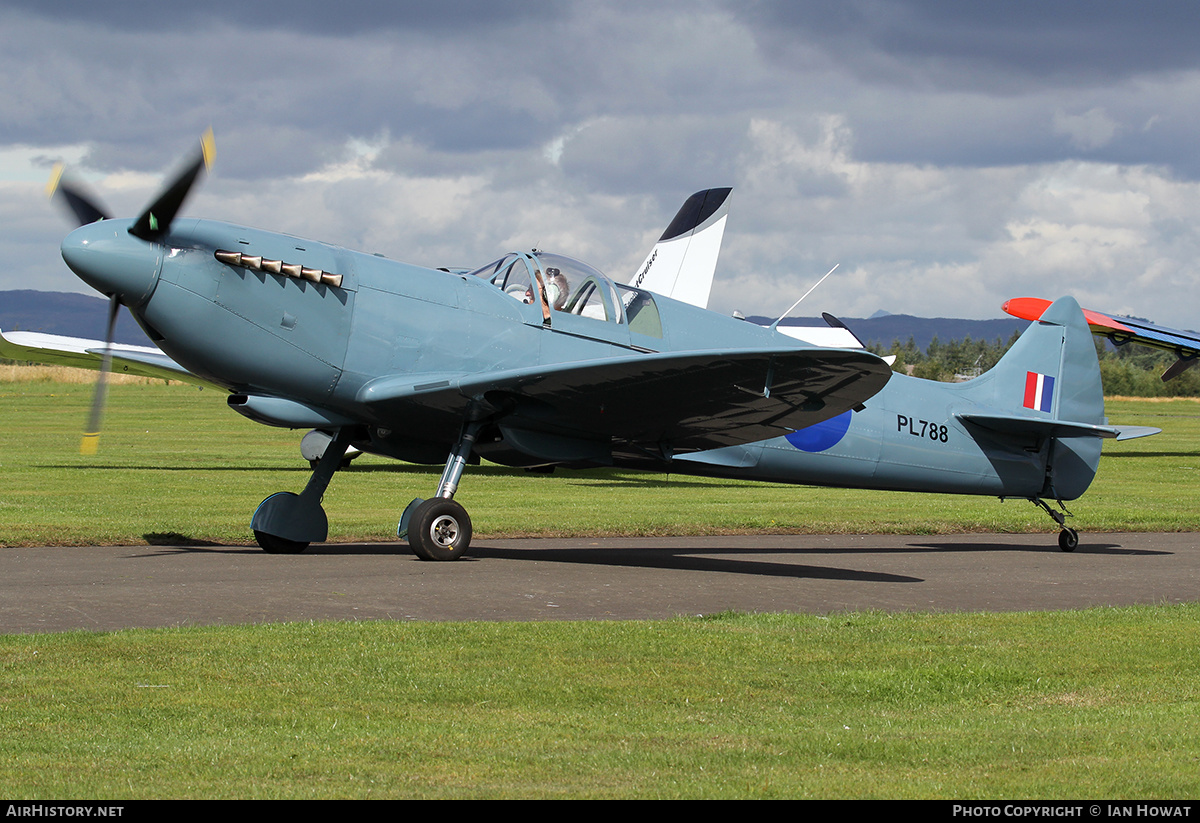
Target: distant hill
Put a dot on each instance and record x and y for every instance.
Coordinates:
(73, 315)
(884, 328)
(81, 315)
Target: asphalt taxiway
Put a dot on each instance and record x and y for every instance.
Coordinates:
(50, 589)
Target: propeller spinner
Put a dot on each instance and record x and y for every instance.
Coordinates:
(105, 257)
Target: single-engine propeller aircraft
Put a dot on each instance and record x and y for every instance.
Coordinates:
(1185, 345)
(538, 360)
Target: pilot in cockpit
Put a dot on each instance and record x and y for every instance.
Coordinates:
(557, 288)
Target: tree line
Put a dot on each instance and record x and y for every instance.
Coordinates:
(1126, 371)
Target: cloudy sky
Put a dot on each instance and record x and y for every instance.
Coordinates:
(947, 155)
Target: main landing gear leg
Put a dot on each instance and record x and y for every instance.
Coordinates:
(439, 528)
(285, 523)
(1068, 538)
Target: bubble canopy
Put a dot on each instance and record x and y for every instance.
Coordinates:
(573, 287)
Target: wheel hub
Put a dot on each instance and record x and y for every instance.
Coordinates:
(444, 531)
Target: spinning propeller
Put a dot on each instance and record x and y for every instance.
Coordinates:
(151, 226)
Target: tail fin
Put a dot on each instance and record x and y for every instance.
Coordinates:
(1047, 391)
(1050, 373)
(681, 265)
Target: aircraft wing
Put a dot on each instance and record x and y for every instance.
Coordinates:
(673, 401)
(1122, 330)
(81, 353)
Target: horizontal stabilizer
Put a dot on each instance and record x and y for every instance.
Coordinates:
(1040, 427)
(826, 336)
(835, 323)
(1134, 432)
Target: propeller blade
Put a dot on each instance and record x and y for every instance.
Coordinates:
(156, 220)
(91, 435)
(80, 202)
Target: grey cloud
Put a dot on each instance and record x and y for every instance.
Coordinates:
(670, 154)
(992, 84)
(311, 16)
(993, 46)
(581, 126)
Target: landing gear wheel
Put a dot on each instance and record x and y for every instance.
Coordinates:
(1068, 539)
(439, 529)
(278, 545)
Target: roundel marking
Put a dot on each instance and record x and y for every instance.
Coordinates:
(823, 435)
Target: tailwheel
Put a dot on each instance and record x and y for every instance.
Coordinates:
(1068, 539)
(439, 529)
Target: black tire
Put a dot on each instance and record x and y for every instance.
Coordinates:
(278, 545)
(439, 529)
(1068, 539)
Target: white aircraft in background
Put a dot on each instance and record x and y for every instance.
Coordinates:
(683, 261)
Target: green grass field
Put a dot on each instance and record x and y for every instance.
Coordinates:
(176, 464)
(1094, 704)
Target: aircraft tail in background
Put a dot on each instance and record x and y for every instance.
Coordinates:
(683, 261)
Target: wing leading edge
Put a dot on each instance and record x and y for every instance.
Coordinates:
(82, 353)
